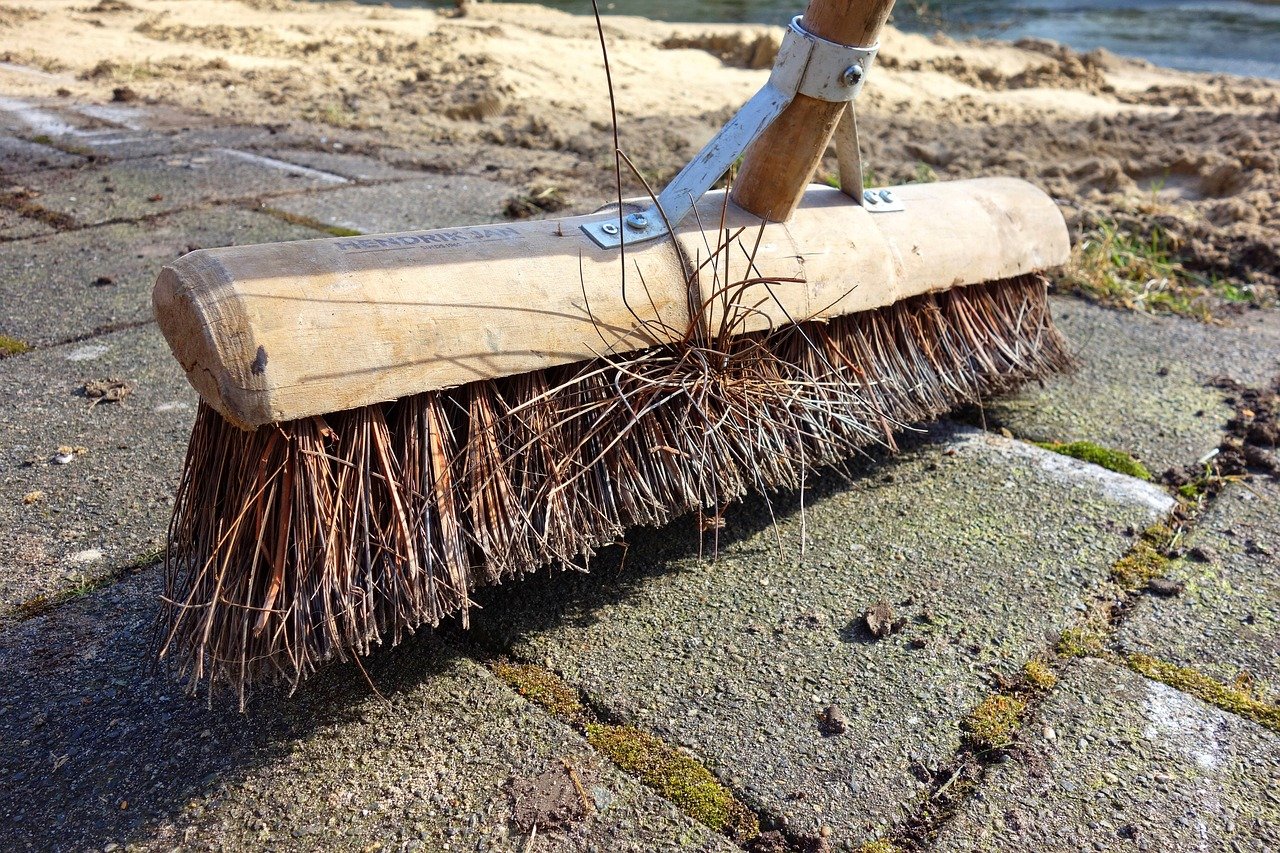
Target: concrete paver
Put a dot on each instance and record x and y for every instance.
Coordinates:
(435, 202)
(1119, 763)
(132, 189)
(14, 226)
(985, 546)
(68, 524)
(99, 752)
(1141, 383)
(20, 155)
(358, 167)
(80, 281)
(1227, 621)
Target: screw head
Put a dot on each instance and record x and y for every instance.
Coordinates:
(609, 228)
(886, 195)
(851, 75)
(637, 221)
(869, 197)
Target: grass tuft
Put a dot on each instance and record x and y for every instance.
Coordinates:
(1188, 680)
(1141, 272)
(677, 776)
(1112, 460)
(992, 724)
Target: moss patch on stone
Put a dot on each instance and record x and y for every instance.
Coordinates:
(880, 846)
(12, 346)
(991, 725)
(1188, 680)
(1080, 642)
(1145, 560)
(542, 686)
(676, 776)
(1112, 460)
(1039, 675)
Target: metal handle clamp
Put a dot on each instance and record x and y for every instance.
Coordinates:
(806, 64)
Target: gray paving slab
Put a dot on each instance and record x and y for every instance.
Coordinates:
(132, 189)
(359, 167)
(67, 525)
(14, 226)
(1227, 621)
(1132, 765)
(435, 202)
(70, 284)
(1141, 383)
(20, 155)
(985, 546)
(100, 752)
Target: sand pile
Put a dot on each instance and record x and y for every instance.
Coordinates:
(518, 91)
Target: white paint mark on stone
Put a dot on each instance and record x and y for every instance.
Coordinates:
(90, 556)
(1182, 724)
(281, 165)
(174, 406)
(40, 121)
(1115, 487)
(88, 352)
(126, 117)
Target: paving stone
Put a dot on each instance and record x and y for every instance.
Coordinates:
(16, 227)
(1141, 382)
(20, 155)
(358, 167)
(985, 546)
(1227, 621)
(1133, 765)
(435, 202)
(73, 283)
(99, 751)
(132, 189)
(68, 524)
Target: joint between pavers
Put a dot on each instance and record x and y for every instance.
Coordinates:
(675, 774)
(44, 603)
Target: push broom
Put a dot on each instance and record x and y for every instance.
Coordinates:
(388, 423)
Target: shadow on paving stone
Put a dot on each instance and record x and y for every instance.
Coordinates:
(985, 547)
(1115, 762)
(100, 750)
(1141, 386)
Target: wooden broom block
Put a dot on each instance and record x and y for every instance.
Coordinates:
(281, 331)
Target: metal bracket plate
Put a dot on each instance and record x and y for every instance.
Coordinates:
(805, 64)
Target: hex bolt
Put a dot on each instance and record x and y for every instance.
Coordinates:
(851, 75)
(637, 222)
(609, 228)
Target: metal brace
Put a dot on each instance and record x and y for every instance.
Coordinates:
(806, 65)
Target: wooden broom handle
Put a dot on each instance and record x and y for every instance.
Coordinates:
(779, 165)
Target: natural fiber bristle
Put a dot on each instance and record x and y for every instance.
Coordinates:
(320, 538)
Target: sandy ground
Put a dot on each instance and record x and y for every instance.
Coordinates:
(518, 93)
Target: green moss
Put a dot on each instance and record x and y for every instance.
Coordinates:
(1112, 460)
(677, 776)
(991, 725)
(1039, 675)
(12, 346)
(542, 686)
(1080, 642)
(1198, 684)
